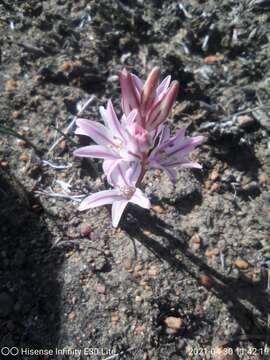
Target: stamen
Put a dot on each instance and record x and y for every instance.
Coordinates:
(127, 191)
(118, 143)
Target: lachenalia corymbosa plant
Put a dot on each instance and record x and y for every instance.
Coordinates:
(139, 141)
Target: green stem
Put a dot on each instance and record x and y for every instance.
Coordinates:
(8, 131)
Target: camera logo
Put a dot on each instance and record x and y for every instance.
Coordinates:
(6, 351)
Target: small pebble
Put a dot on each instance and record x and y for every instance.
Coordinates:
(67, 65)
(72, 315)
(115, 317)
(24, 157)
(138, 299)
(128, 264)
(94, 236)
(245, 121)
(138, 267)
(205, 281)
(62, 145)
(215, 187)
(21, 142)
(212, 252)
(173, 324)
(263, 179)
(4, 164)
(195, 242)
(241, 264)
(36, 208)
(16, 114)
(11, 85)
(139, 330)
(101, 289)
(207, 185)
(153, 271)
(158, 209)
(214, 175)
(85, 229)
(212, 59)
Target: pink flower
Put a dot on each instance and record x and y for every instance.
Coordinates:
(116, 141)
(152, 100)
(137, 142)
(172, 152)
(123, 179)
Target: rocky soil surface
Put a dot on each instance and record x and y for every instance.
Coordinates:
(186, 280)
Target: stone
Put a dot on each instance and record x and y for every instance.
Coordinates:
(245, 121)
(241, 264)
(173, 324)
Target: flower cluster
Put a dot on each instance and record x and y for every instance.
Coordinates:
(139, 141)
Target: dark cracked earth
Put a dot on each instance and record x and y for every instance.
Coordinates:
(188, 279)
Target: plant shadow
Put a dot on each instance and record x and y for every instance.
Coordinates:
(238, 294)
(29, 291)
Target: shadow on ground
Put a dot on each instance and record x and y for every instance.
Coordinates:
(242, 297)
(29, 292)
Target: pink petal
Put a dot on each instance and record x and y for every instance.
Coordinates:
(140, 199)
(94, 130)
(183, 164)
(118, 208)
(149, 88)
(108, 167)
(100, 198)
(133, 172)
(138, 83)
(164, 135)
(111, 121)
(178, 137)
(197, 140)
(118, 174)
(164, 85)
(130, 119)
(162, 108)
(130, 99)
(181, 149)
(96, 151)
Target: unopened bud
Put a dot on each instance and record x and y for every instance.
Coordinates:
(148, 92)
(163, 108)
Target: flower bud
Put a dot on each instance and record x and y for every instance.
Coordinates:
(149, 88)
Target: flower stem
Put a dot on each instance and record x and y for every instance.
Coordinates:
(143, 171)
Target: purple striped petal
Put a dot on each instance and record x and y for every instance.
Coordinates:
(140, 199)
(149, 89)
(183, 164)
(100, 198)
(178, 138)
(133, 172)
(162, 108)
(138, 83)
(164, 85)
(118, 208)
(94, 130)
(130, 119)
(111, 121)
(96, 151)
(108, 167)
(118, 174)
(130, 98)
